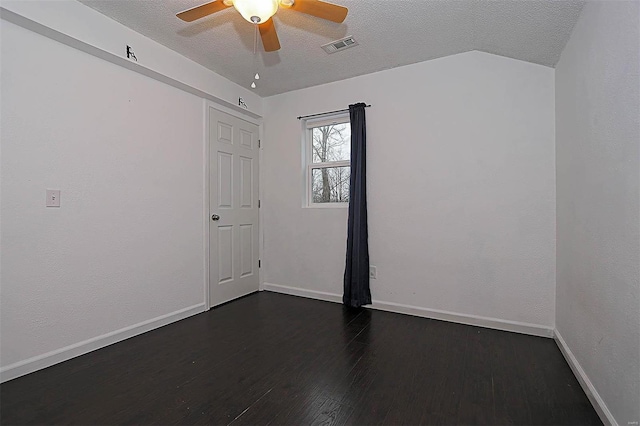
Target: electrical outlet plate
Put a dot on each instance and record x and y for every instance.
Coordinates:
(373, 272)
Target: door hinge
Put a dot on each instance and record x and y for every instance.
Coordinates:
(259, 143)
(258, 203)
(259, 263)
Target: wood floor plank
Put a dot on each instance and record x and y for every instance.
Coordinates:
(332, 413)
(276, 359)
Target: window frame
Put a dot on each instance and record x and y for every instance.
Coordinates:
(309, 165)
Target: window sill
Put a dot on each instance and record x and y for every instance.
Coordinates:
(327, 206)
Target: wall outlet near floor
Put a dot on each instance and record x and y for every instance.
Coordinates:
(373, 272)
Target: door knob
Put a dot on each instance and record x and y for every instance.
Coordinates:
(215, 217)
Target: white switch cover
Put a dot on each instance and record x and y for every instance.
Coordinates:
(53, 198)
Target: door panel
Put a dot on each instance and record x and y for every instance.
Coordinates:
(246, 182)
(246, 139)
(225, 132)
(233, 183)
(225, 251)
(225, 180)
(246, 250)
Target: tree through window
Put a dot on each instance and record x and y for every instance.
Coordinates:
(329, 166)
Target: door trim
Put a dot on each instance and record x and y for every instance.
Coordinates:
(205, 199)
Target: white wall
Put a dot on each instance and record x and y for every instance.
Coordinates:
(89, 26)
(598, 174)
(461, 188)
(126, 151)
(125, 251)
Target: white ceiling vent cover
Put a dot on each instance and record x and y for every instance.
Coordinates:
(342, 44)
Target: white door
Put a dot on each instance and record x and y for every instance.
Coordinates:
(233, 207)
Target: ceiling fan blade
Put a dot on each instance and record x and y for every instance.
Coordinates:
(269, 36)
(201, 11)
(321, 9)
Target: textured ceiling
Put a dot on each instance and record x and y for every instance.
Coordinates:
(391, 33)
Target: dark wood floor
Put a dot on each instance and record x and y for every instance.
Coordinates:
(276, 359)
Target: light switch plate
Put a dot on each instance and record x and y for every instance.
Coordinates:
(53, 198)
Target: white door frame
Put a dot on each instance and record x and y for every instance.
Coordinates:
(205, 205)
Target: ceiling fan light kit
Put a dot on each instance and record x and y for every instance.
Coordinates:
(256, 11)
(259, 12)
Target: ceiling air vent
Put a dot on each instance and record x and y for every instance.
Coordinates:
(343, 43)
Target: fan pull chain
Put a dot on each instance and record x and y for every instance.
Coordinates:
(255, 56)
(255, 39)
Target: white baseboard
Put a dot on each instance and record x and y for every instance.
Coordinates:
(588, 387)
(48, 359)
(495, 323)
(295, 291)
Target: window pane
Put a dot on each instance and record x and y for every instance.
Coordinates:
(331, 143)
(330, 184)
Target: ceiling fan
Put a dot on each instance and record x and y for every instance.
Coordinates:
(259, 12)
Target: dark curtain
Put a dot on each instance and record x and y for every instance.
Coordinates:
(356, 274)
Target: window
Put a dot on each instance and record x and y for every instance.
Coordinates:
(328, 161)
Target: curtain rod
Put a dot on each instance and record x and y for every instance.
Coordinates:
(327, 113)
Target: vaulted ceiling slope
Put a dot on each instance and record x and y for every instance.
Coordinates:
(391, 33)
